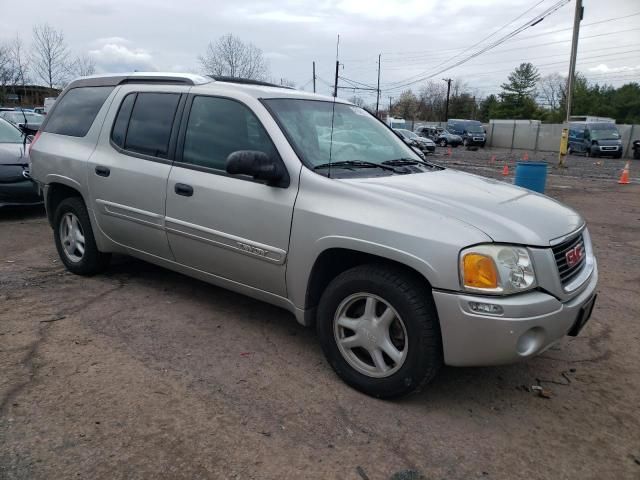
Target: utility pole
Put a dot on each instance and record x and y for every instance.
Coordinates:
(574, 52)
(446, 108)
(314, 77)
(378, 89)
(389, 115)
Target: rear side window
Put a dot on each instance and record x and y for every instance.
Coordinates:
(150, 123)
(75, 112)
(119, 132)
(218, 127)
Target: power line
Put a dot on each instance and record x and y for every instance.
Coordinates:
(501, 40)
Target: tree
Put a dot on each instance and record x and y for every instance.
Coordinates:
(518, 94)
(6, 70)
(359, 101)
(20, 63)
(83, 66)
(432, 99)
(407, 105)
(50, 55)
(488, 108)
(231, 57)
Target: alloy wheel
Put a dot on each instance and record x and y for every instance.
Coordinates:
(72, 237)
(370, 335)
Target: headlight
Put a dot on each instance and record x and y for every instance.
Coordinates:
(496, 269)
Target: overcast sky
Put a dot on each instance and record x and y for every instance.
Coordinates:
(414, 36)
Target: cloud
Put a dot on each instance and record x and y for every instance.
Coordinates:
(604, 68)
(116, 55)
(283, 17)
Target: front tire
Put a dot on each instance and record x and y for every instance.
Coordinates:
(74, 239)
(442, 143)
(379, 331)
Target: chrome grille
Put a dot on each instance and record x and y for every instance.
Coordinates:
(568, 273)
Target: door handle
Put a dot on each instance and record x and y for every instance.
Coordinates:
(102, 171)
(183, 189)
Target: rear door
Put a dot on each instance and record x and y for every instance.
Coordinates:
(230, 226)
(129, 169)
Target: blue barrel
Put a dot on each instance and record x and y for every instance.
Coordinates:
(531, 175)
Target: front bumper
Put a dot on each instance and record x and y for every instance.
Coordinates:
(531, 323)
(475, 140)
(19, 193)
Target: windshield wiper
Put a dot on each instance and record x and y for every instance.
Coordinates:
(356, 164)
(409, 161)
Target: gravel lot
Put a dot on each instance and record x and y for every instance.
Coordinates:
(144, 373)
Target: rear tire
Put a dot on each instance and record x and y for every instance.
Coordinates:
(442, 143)
(385, 350)
(74, 239)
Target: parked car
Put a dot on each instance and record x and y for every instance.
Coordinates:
(446, 138)
(471, 131)
(636, 149)
(401, 265)
(595, 138)
(19, 118)
(425, 145)
(428, 131)
(16, 186)
(39, 110)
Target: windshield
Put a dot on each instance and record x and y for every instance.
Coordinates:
(357, 135)
(407, 133)
(9, 133)
(20, 116)
(604, 133)
(475, 129)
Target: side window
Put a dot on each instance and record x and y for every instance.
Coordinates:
(218, 127)
(75, 112)
(119, 132)
(150, 123)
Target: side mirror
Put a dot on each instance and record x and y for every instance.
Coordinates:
(258, 165)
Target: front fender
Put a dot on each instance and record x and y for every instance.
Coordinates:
(301, 263)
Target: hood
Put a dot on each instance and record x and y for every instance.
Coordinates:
(504, 212)
(609, 142)
(13, 153)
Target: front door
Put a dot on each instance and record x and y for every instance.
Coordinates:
(230, 226)
(129, 169)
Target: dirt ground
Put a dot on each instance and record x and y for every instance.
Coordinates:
(142, 373)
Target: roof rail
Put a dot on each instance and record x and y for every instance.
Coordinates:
(111, 80)
(245, 81)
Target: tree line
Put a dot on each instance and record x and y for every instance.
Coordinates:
(525, 95)
(48, 61)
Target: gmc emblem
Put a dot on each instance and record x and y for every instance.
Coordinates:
(574, 255)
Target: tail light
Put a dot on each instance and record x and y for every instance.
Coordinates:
(35, 139)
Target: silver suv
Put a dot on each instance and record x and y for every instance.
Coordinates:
(312, 204)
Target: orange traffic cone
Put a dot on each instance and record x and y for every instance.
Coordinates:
(624, 178)
(525, 157)
(505, 170)
(449, 151)
(493, 159)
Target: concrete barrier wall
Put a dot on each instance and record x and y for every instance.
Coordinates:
(546, 136)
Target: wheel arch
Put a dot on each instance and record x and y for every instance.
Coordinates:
(57, 190)
(334, 260)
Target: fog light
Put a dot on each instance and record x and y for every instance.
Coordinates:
(486, 308)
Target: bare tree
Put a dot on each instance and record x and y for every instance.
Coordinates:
(552, 90)
(231, 57)
(20, 62)
(6, 70)
(50, 55)
(356, 100)
(83, 66)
